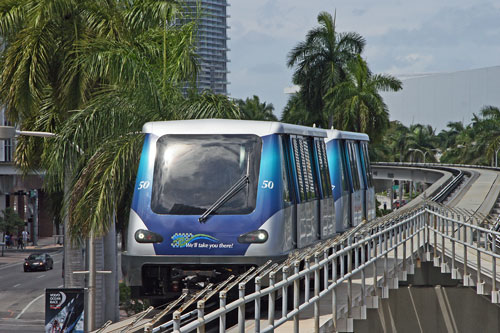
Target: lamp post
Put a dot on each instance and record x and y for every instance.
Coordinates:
(416, 149)
(496, 157)
(427, 151)
(9, 132)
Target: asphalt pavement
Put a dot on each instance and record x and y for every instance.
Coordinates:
(22, 294)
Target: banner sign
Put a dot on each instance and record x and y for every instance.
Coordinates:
(64, 310)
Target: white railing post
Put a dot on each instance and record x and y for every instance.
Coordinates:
(177, 321)
(334, 293)
(284, 291)
(494, 291)
(258, 285)
(241, 308)
(316, 292)
(296, 295)
(385, 288)
(222, 318)
(453, 268)
(349, 280)
(272, 301)
(201, 313)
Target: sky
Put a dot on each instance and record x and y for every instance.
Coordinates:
(402, 38)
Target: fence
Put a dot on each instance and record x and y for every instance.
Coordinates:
(448, 235)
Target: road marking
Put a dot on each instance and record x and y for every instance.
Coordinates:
(56, 262)
(41, 276)
(62, 285)
(27, 306)
(17, 285)
(10, 265)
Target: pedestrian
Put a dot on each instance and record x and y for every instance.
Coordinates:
(19, 241)
(385, 205)
(25, 238)
(7, 240)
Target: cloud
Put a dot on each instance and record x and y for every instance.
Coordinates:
(402, 37)
(450, 39)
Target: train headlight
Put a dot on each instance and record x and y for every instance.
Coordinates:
(146, 236)
(257, 236)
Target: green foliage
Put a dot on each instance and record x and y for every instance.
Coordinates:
(253, 109)
(94, 72)
(319, 63)
(129, 305)
(476, 143)
(10, 222)
(355, 103)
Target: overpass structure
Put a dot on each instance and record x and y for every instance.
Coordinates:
(445, 237)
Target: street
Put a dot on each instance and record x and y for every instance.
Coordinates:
(22, 294)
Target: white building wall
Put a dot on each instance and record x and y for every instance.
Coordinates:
(437, 99)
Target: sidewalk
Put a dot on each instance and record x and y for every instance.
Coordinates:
(13, 255)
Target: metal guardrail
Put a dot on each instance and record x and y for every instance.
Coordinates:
(457, 229)
(356, 252)
(338, 260)
(429, 230)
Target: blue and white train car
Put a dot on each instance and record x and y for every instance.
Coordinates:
(350, 171)
(215, 197)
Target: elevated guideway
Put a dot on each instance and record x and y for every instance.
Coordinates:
(329, 286)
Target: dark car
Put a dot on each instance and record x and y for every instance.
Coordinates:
(38, 262)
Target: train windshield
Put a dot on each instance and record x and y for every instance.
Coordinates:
(192, 171)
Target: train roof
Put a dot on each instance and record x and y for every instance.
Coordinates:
(336, 134)
(229, 126)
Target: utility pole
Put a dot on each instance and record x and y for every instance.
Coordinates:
(35, 219)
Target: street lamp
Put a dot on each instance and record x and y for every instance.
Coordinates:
(427, 151)
(416, 149)
(10, 132)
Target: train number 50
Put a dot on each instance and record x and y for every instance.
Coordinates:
(268, 184)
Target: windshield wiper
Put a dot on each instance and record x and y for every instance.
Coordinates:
(238, 186)
(233, 190)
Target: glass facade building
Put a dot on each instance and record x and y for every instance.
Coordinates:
(212, 43)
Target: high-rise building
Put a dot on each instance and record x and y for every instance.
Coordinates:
(212, 43)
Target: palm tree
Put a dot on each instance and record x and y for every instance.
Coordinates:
(356, 104)
(423, 138)
(95, 83)
(253, 109)
(396, 138)
(320, 64)
(295, 112)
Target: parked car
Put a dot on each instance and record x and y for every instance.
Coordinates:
(38, 262)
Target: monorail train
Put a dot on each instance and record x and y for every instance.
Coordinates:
(214, 197)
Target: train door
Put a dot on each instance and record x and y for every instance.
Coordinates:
(355, 183)
(371, 211)
(327, 204)
(289, 192)
(308, 206)
(362, 179)
(340, 183)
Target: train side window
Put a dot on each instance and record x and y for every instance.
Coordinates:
(344, 163)
(303, 154)
(368, 167)
(324, 173)
(299, 167)
(354, 166)
(311, 182)
(286, 171)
